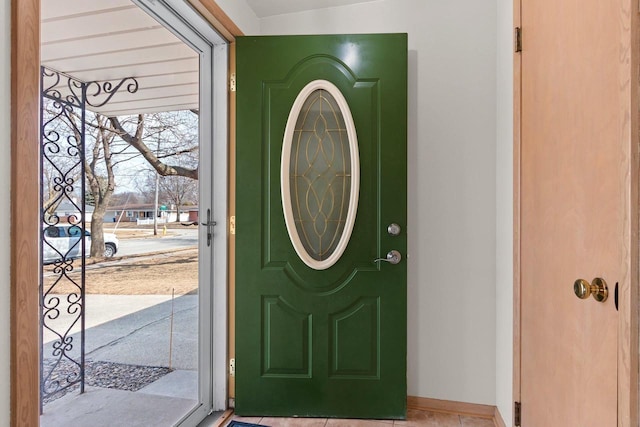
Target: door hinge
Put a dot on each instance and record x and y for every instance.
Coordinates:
(517, 39)
(517, 414)
(232, 367)
(232, 224)
(232, 82)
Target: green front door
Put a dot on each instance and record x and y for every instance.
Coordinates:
(320, 326)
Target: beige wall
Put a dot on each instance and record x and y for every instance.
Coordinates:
(452, 182)
(5, 150)
(241, 14)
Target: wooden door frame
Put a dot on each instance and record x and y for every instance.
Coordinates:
(629, 295)
(25, 230)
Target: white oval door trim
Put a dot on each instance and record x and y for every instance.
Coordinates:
(285, 175)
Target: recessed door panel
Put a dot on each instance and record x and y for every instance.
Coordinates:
(286, 348)
(355, 340)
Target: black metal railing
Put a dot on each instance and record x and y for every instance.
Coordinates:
(63, 214)
(62, 191)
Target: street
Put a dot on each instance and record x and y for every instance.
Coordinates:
(175, 239)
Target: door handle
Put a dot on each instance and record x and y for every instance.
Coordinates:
(209, 224)
(393, 257)
(598, 288)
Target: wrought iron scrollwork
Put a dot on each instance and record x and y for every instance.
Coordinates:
(102, 92)
(60, 87)
(63, 229)
(62, 191)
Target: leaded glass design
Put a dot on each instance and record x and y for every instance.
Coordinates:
(320, 174)
(322, 193)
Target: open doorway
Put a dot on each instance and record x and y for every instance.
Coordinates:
(114, 329)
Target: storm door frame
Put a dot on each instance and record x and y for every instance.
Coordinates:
(25, 230)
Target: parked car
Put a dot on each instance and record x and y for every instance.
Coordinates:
(64, 241)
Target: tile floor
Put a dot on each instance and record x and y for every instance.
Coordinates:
(414, 419)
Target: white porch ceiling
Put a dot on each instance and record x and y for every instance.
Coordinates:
(109, 40)
(265, 8)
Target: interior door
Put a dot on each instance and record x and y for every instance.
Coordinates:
(575, 207)
(320, 326)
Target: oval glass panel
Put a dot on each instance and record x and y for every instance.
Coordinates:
(320, 175)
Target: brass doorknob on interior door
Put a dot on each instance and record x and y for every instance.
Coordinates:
(598, 288)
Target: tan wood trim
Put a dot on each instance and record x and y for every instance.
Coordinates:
(497, 419)
(517, 96)
(451, 407)
(232, 212)
(226, 416)
(628, 363)
(630, 348)
(210, 10)
(25, 116)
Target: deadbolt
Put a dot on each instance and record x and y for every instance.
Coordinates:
(394, 229)
(598, 288)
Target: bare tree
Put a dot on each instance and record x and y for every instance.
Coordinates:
(130, 197)
(136, 137)
(110, 141)
(120, 140)
(101, 185)
(180, 191)
(61, 166)
(102, 155)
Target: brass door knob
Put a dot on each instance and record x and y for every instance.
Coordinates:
(598, 288)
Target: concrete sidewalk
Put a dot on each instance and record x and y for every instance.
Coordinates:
(133, 330)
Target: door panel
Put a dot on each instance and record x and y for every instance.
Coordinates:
(575, 210)
(329, 342)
